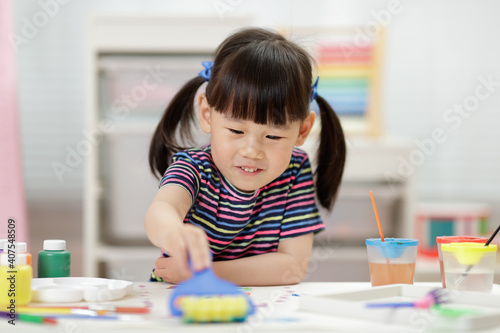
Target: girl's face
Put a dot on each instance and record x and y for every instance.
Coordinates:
(251, 155)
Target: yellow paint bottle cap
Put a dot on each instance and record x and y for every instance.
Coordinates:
(468, 253)
(18, 247)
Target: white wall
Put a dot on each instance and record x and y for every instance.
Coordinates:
(436, 52)
(436, 55)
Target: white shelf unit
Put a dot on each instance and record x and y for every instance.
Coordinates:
(126, 35)
(113, 39)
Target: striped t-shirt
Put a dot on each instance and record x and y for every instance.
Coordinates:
(240, 224)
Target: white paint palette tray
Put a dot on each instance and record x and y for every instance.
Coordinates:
(467, 311)
(77, 289)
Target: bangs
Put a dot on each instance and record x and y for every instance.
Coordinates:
(262, 82)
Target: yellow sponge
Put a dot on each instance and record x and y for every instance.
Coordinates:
(208, 309)
(206, 298)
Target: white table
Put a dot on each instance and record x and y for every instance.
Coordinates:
(277, 310)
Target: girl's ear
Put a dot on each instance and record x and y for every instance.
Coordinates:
(305, 128)
(204, 113)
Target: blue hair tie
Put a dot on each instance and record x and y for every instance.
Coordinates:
(207, 71)
(314, 92)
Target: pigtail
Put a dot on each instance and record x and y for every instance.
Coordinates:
(165, 142)
(331, 155)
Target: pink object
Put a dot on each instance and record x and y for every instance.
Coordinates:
(12, 201)
(425, 302)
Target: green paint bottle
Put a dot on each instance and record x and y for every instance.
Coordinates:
(54, 260)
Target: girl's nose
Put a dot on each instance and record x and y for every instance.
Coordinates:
(252, 148)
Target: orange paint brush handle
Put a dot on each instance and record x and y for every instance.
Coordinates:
(376, 216)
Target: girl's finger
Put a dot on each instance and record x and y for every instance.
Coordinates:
(179, 254)
(198, 249)
(160, 263)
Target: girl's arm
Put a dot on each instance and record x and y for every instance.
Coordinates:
(165, 229)
(286, 266)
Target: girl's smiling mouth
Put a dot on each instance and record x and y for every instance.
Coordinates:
(249, 170)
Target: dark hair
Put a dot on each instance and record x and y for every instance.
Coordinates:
(257, 75)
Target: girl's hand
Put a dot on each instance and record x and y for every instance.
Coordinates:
(166, 229)
(169, 271)
(183, 242)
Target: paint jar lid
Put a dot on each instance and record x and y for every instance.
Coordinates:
(460, 239)
(19, 259)
(392, 247)
(19, 247)
(54, 244)
(391, 241)
(468, 253)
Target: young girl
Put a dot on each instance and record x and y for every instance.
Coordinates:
(246, 201)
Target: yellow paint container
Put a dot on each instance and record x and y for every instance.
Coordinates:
(15, 281)
(469, 266)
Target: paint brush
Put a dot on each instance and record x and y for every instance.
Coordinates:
(378, 221)
(40, 315)
(28, 318)
(376, 216)
(98, 308)
(435, 296)
(492, 236)
(58, 311)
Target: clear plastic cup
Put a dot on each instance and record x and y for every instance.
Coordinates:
(454, 239)
(391, 261)
(469, 266)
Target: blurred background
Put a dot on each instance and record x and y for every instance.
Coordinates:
(431, 151)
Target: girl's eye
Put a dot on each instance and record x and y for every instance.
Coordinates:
(235, 131)
(273, 137)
